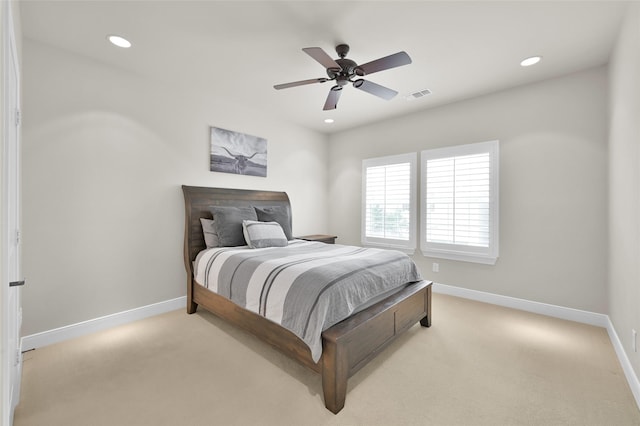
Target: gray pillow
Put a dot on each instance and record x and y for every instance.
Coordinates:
(278, 214)
(228, 223)
(263, 234)
(210, 234)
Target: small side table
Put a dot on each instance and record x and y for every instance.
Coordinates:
(327, 239)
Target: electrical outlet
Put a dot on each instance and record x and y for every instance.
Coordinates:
(634, 340)
(435, 267)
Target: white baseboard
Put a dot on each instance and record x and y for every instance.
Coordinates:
(56, 335)
(629, 373)
(555, 311)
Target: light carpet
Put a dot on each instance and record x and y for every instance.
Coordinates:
(479, 364)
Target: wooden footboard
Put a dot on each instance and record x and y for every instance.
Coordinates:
(351, 344)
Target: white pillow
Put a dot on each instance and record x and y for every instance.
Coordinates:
(263, 234)
(210, 234)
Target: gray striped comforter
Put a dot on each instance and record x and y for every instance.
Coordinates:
(305, 287)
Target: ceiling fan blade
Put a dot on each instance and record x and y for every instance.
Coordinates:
(332, 99)
(321, 56)
(300, 83)
(391, 61)
(375, 89)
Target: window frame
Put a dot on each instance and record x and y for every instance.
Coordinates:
(407, 246)
(466, 253)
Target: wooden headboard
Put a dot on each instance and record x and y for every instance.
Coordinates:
(198, 202)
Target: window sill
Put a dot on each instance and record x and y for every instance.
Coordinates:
(463, 257)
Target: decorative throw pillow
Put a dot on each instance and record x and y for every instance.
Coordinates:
(263, 234)
(210, 234)
(228, 223)
(278, 214)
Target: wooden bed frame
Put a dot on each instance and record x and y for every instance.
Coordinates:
(347, 346)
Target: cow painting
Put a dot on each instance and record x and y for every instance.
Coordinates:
(239, 153)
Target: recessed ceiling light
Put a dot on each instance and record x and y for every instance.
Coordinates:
(328, 120)
(530, 61)
(119, 41)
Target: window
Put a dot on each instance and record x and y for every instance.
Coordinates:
(460, 202)
(389, 202)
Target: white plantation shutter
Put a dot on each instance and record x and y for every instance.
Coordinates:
(388, 201)
(460, 202)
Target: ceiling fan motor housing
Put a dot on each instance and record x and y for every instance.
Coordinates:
(344, 74)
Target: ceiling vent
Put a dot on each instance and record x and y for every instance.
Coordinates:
(419, 94)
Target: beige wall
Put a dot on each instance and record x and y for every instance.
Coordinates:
(105, 153)
(553, 185)
(624, 184)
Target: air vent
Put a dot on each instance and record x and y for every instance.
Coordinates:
(419, 94)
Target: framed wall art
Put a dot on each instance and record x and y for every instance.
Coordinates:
(238, 153)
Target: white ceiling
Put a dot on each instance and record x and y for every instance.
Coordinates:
(237, 50)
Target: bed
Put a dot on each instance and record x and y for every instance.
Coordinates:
(346, 346)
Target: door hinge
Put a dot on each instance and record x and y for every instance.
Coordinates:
(17, 236)
(18, 357)
(18, 117)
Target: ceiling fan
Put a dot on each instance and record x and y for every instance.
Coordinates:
(344, 71)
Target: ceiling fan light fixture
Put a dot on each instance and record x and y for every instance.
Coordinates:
(532, 60)
(328, 120)
(119, 41)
